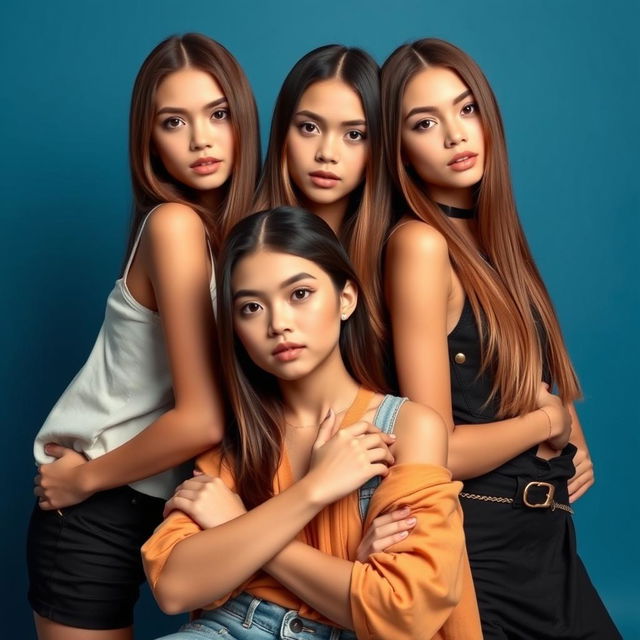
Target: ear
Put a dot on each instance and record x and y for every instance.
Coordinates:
(348, 300)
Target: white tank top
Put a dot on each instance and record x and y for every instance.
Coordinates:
(122, 388)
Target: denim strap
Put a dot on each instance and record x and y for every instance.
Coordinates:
(385, 420)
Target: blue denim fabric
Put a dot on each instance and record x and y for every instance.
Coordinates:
(248, 618)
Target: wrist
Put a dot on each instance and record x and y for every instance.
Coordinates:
(548, 423)
(312, 492)
(85, 478)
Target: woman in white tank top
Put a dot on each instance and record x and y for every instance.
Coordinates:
(147, 398)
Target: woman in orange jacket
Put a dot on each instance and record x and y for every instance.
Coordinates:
(265, 540)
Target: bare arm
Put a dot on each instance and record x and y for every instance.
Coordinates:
(419, 280)
(174, 256)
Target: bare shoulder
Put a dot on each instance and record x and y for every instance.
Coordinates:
(417, 238)
(173, 222)
(422, 435)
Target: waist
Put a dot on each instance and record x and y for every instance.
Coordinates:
(527, 480)
(248, 611)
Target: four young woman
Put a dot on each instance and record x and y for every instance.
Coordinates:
(267, 536)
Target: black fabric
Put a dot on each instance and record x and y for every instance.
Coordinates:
(84, 562)
(529, 579)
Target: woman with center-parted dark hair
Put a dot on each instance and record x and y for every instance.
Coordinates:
(265, 540)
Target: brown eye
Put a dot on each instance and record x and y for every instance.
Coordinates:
(172, 123)
(424, 125)
(469, 109)
(355, 136)
(301, 294)
(220, 114)
(308, 127)
(249, 308)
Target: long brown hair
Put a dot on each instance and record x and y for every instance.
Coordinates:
(367, 219)
(151, 183)
(506, 291)
(253, 442)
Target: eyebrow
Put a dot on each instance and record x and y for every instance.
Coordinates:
(346, 123)
(211, 105)
(415, 110)
(253, 293)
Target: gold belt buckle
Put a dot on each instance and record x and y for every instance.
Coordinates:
(551, 490)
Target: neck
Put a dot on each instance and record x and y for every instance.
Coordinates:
(307, 400)
(462, 198)
(211, 199)
(332, 213)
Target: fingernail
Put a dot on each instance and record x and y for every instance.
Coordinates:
(404, 509)
(410, 521)
(393, 436)
(404, 534)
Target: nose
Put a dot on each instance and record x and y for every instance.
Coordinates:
(327, 151)
(201, 136)
(279, 320)
(454, 135)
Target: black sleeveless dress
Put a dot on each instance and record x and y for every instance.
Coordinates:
(529, 580)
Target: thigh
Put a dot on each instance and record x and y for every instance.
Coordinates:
(84, 561)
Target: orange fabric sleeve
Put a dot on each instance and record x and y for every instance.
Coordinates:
(412, 591)
(178, 526)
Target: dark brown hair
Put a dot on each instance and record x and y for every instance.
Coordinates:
(253, 442)
(152, 185)
(506, 291)
(367, 219)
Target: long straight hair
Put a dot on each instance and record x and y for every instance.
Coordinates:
(506, 291)
(152, 184)
(253, 442)
(367, 218)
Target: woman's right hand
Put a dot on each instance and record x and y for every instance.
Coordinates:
(342, 460)
(385, 531)
(558, 415)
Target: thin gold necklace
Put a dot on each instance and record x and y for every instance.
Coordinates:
(308, 426)
(337, 413)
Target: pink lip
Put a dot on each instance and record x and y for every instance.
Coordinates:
(287, 351)
(463, 161)
(324, 179)
(205, 166)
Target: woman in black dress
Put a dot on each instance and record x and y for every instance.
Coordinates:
(475, 336)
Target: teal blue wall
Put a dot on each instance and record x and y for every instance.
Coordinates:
(566, 75)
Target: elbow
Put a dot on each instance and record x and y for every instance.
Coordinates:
(204, 429)
(172, 596)
(212, 431)
(456, 460)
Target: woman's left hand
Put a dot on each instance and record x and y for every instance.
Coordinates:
(206, 500)
(58, 484)
(584, 476)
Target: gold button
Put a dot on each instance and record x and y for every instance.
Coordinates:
(460, 358)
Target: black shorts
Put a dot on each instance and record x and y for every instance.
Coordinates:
(84, 562)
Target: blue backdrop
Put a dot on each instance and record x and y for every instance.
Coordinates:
(567, 77)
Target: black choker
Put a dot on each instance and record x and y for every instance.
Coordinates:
(456, 212)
